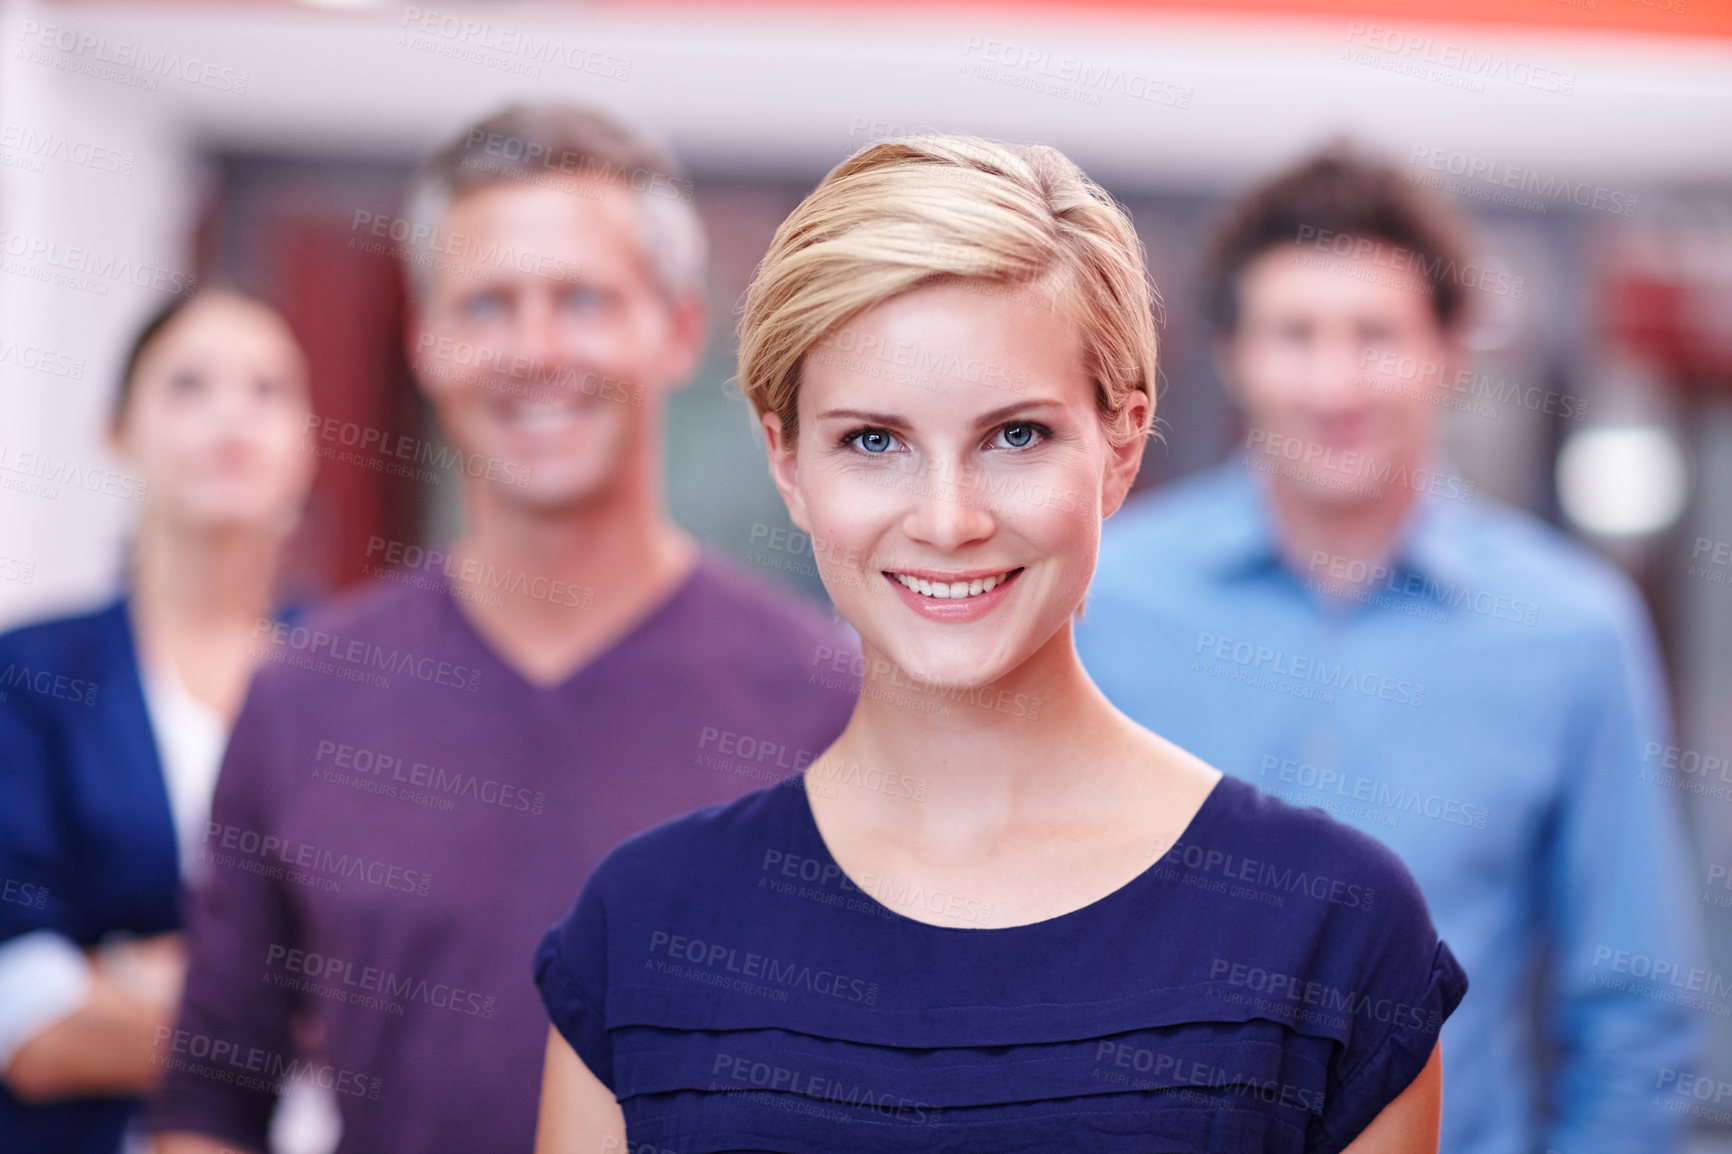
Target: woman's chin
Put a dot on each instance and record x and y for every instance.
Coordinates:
(205, 513)
(958, 671)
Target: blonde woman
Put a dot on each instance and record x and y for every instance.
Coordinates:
(1072, 935)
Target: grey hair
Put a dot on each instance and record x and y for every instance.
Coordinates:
(568, 146)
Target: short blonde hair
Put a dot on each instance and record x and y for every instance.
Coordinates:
(903, 214)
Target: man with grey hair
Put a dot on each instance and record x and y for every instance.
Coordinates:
(426, 772)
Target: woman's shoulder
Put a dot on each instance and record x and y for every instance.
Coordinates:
(715, 840)
(1317, 878)
(59, 668)
(1302, 919)
(1311, 924)
(87, 635)
(1306, 829)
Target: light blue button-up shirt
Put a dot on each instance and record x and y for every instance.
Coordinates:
(1493, 709)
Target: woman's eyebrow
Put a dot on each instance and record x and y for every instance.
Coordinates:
(1015, 407)
(859, 415)
(989, 418)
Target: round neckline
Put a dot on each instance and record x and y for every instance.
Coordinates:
(809, 820)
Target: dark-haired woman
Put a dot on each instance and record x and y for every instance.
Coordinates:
(113, 722)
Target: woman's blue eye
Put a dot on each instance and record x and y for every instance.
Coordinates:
(874, 440)
(1022, 434)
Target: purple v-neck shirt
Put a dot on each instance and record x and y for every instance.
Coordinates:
(401, 816)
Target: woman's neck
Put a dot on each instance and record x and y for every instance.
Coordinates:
(976, 759)
(198, 598)
(199, 578)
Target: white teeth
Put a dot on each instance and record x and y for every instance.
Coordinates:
(954, 590)
(535, 415)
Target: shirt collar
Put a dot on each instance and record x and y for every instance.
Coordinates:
(1432, 542)
(1242, 539)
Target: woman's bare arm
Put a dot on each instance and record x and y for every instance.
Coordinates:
(1409, 1124)
(103, 1047)
(578, 1113)
(108, 1044)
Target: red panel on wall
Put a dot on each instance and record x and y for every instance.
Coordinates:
(347, 308)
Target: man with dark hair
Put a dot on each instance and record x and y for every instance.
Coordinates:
(1342, 620)
(427, 771)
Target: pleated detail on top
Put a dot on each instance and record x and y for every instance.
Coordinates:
(729, 1014)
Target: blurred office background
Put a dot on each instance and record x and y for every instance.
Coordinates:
(145, 143)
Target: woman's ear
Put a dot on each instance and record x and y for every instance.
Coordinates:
(116, 440)
(1123, 461)
(784, 471)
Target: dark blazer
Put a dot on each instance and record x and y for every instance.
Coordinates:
(87, 841)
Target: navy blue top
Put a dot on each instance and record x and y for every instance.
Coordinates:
(1269, 984)
(87, 841)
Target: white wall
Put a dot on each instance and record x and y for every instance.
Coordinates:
(65, 506)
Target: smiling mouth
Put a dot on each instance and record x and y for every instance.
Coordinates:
(541, 415)
(953, 590)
